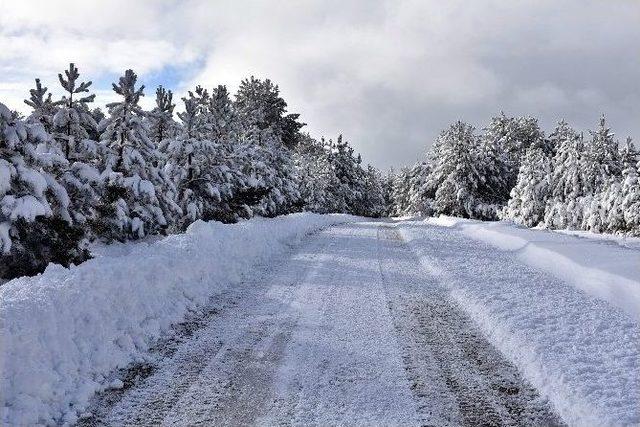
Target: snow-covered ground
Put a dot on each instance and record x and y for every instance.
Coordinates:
(437, 322)
(606, 266)
(563, 309)
(346, 330)
(62, 332)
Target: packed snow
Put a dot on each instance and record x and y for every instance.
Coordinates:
(64, 331)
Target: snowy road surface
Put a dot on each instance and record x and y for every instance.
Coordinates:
(348, 329)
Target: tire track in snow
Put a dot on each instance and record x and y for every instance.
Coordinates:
(343, 365)
(456, 376)
(221, 375)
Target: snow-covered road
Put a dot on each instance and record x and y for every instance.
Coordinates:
(345, 330)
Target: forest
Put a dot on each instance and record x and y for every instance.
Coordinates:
(513, 171)
(72, 173)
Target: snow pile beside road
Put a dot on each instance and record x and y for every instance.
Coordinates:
(607, 269)
(63, 331)
(581, 352)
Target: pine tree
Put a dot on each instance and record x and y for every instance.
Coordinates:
(456, 170)
(374, 204)
(603, 211)
(73, 119)
(529, 197)
(630, 203)
(44, 108)
(130, 207)
(267, 164)
(161, 123)
(125, 131)
(613, 199)
(400, 192)
(564, 208)
(35, 226)
(601, 160)
(270, 180)
(221, 116)
(260, 105)
(504, 143)
(387, 192)
(346, 186)
(314, 173)
(419, 202)
(624, 215)
(71, 152)
(204, 182)
(74, 129)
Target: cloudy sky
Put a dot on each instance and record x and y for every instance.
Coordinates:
(389, 75)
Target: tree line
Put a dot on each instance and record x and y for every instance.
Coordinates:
(512, 170)
(71, 174)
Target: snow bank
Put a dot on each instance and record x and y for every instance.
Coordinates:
(608, 269)
(64, 331)
(580, 352)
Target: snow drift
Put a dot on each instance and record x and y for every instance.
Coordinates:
(64, 331)
(608, 269)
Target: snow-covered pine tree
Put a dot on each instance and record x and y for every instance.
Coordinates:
(269, 175)
(564, 208)
(161, 123)
(222, 121)
(624, 199)
(630, 204)
(494, 160)
(419, 202)
(629, 154)
(314, 173)
(198, 167)
(502, 146)
(601, 160)
(74, 129)
(400, 192)
(260, 105)
(35, 226)
(129, 206)
(346, 188)
(455, 169)
(607, 210)
(601, 169)
(236, 158)
(124, 129)
(374, 204)
(73, 118)
(267, 163)
(433, 180)
(531, 192)
(387, 192)
(612, 199)
(44, 108)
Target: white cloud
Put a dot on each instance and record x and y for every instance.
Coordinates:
(542, 97)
